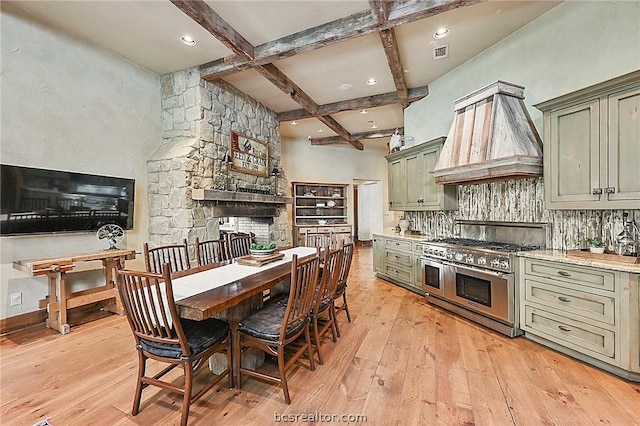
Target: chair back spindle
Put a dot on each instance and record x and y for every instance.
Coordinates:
(176, 255)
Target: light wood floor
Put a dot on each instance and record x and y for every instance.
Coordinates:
(400, 361)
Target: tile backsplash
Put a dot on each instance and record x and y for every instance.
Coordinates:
(521, 200)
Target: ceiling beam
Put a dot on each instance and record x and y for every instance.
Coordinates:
(379, 10)
(281, 81)
(390, 45)
(337, 31)
(374, 134)
(357, 104)
(200, 12)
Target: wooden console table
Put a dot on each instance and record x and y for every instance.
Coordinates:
(56, 269)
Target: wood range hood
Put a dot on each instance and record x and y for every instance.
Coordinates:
(492, 138)
(240, 204)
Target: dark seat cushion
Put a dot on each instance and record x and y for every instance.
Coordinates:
(341, 289)
(267, 322)
(201, 335)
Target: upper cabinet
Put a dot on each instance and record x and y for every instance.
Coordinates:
(412, 186)
(592, 146)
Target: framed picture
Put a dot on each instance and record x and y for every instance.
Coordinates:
(249, 155)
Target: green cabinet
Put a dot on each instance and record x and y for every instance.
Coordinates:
(397, 259)
(591, 147)
(412, 186)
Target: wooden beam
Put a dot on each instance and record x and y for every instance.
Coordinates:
(374, 134)
(379, 10)
(357, 104)
(390, 45)
(337, 31)
(282, 82)
(200, 12)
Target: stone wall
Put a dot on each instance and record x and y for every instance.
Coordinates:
(521, 200)
(197, 120)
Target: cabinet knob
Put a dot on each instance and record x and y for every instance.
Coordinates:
(596, 191)
(610, 190)
(564, 328)
(564, 299)
(564, 273)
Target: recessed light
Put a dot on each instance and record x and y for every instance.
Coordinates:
(441, 33)
(372, 81)
(320, 130)
(294, 123)
(188, 40)
(374, 126)
(346, 86)
(364, 111)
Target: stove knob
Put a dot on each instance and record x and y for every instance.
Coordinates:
(449, 255)
(459, 257)
(470, 258)
(482, 260)
(442, 253)
(495, 263)
(504, 264)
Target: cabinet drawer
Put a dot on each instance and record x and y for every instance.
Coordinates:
(326, 229)
(342, 229)
(303, 229)
(399, 273)
(398, 244)
(398, 258)
(584, 338)
(590, 277)
(593, 306)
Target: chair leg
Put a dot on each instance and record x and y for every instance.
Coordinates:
(307, 337)
(345, 306)
(238, 360)
(316, 337)
(142, 365)
(230, 361)
(283, 376)
(335, 311)
(188, 385)
(333, 322)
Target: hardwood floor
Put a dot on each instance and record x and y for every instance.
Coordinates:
(400, 361)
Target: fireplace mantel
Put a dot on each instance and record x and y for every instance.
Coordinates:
(237, 197)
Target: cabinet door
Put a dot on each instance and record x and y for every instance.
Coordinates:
(414, 180)
(572, 156)
(378, 254)
(431, 192)
(397, 184)
(624, 147)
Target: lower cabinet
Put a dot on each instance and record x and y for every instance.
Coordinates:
(340, 233)
(397, 260)
(586, 312)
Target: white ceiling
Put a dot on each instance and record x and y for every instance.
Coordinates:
(147, 33)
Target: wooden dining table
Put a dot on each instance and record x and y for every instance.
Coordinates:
(229, 287)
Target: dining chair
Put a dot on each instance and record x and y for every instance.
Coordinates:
(323, 302)
(277, 325)
(341, 291)
(176, 255)
(161, 335)
(211, 251)
(239, 245)
(314, 239)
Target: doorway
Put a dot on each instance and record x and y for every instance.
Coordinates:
(368, 209)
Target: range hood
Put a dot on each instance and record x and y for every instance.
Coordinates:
(492, 138)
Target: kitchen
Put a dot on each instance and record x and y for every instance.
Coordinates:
(526, 58)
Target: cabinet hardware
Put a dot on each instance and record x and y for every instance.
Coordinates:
(564, 328)
(564, 299)
(597, 191)
(564, 273)
(610, 190)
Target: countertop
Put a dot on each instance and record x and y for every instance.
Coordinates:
(390, 232)
(561, 256)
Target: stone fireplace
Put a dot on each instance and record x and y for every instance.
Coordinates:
(190, 185)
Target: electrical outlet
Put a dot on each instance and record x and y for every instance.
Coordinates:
(16, 299)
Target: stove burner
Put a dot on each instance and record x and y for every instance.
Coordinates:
(487, 245)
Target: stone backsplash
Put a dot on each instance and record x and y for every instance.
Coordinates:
(520, 200)
(197, 120)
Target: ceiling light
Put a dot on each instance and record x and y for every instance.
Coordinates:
(363, 111)
(188, 40)
(374, 126)
(346, 86)
(441, 33)
(294, 123)
(372, 81)
(320, 130)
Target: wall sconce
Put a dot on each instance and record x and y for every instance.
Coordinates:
(228, 162)
(275, 172)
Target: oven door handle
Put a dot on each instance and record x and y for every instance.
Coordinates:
(455, 266)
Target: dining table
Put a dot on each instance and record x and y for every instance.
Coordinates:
(231, 289)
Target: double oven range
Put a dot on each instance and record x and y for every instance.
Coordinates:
(473, 275)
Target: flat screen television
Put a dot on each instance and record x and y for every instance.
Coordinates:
(34, 201)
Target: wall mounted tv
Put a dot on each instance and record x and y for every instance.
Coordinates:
(44, 201)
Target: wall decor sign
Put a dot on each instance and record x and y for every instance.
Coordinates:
(249, 155)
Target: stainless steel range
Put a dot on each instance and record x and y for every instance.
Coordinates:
(473, 275)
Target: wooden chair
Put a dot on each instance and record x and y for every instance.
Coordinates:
(163, 336)
(322, 240)
(277, 325)
(341, 291)
(323, 302)
(176, 255)
(211, 251)
(239, 245)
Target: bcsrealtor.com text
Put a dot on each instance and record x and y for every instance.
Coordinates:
(319, 418)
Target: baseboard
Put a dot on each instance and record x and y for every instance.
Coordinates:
(22, 321)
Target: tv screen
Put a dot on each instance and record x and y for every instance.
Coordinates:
(42, 201)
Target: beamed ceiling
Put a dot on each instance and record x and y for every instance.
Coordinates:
(294, 56)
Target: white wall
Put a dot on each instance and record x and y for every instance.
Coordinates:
(304, 162)
(574, 45)
(69, 105)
